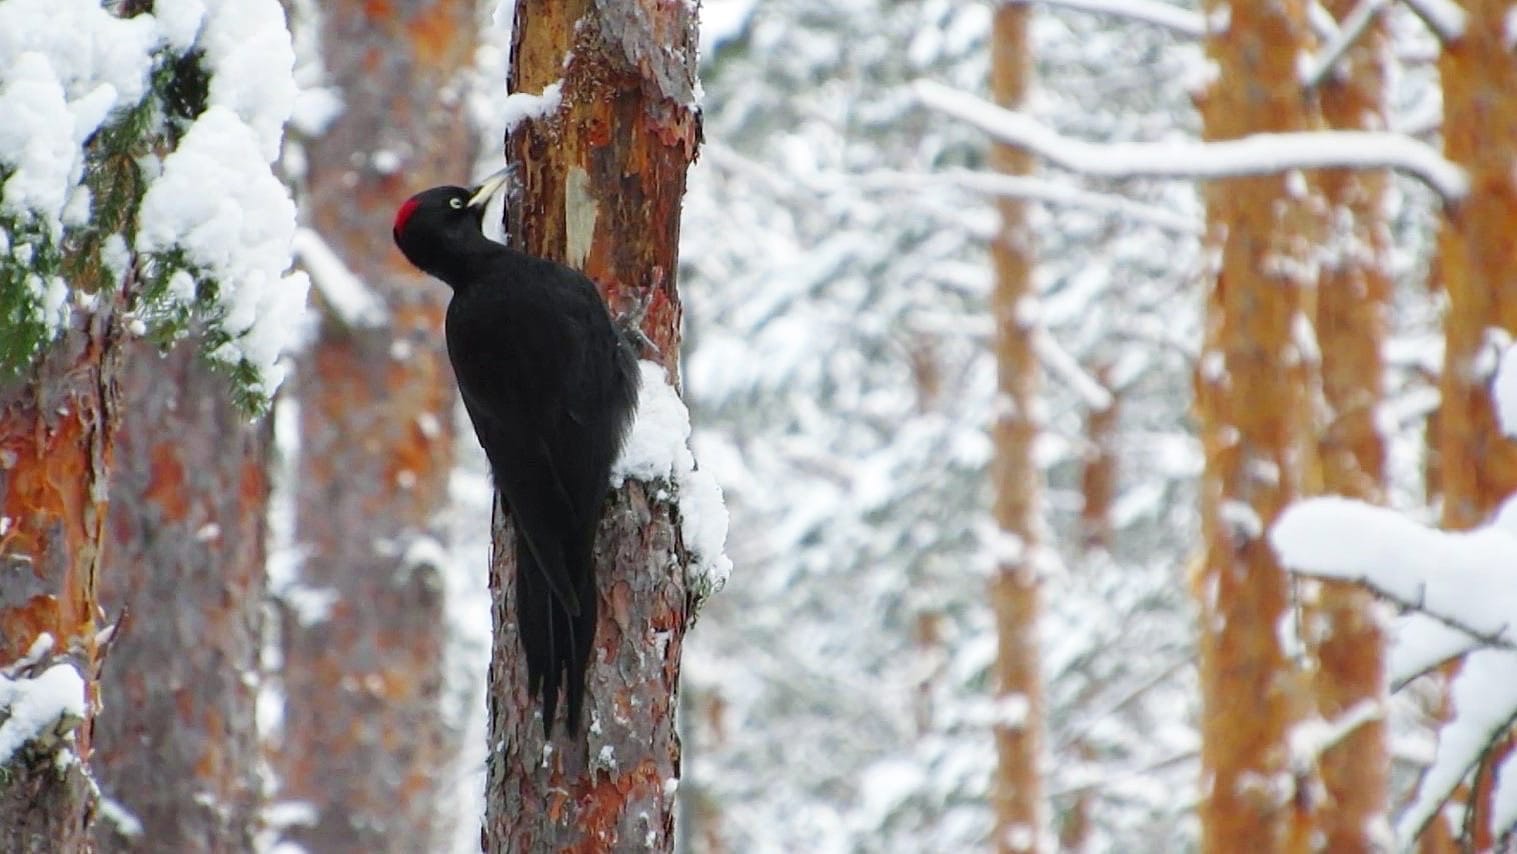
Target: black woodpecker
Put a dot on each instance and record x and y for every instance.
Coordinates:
(550, 385)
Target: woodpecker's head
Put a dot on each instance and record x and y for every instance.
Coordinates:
(434, 226)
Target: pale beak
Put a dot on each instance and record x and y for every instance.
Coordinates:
(489, 187)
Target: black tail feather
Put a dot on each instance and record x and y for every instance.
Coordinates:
(557, 644)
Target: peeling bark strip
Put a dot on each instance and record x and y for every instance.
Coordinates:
(56, 445)
(600, 186)
(1251, 401)
(178, 747)
(363, 740)
(1017, 791)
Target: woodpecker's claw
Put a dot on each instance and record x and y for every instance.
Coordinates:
(631, 323)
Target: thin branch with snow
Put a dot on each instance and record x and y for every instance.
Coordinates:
(1042, 190)
(349, 298)
(1153, 12)
(1444, 17)
(1355, 25)
(1258, 154)
(1061, 362)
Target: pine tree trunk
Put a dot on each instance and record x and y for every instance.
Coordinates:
(363, 739)
(1017, 792)
(1477, 262)
(1341, 627)
(1252, 402)
(601, 179)
(57, 433)
(177, 746)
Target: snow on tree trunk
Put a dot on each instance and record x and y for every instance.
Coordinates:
(601, 171)
(57, 426)
(1476, 261)
(1342, 629)
(177, 746)
(363, 739)
(1017, 791)
(1251, 400)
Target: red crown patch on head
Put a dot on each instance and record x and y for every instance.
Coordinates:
(405, 213)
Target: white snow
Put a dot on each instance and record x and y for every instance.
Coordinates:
(1443, 17)
(1462, 590)
(65, 67)
(1484, 698)
(251, 60)
(657, 449)
(126, 823)
(1152, 12)
(1504, 389)
(37, 704)
(241, 234)
(1258, 154)
(1466, 578)
(524, 106)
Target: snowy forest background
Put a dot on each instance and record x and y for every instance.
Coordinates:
(839, 360)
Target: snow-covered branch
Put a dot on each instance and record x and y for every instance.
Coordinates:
(1354, 26)
(1444, 17)
(1153, 12)
(1042, 190)
(1259, 154)
(1062, 363)
(1463, 579)
(349, 298)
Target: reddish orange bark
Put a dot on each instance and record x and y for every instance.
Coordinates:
(363, 740)
(1251, 399)
(1017, 791)
(601, 183)
(57, 427)
(1345, 636)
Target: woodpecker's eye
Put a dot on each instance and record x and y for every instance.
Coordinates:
(456, 204)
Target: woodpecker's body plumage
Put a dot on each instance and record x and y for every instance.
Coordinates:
(550, 386)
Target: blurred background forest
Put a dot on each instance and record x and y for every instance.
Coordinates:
(1002, 409)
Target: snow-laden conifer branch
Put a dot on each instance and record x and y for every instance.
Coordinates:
(1354, 26)
(1444, 17)
(1462, 579)
(1259, 154)
(1153, 12)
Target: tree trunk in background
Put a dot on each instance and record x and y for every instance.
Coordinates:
(363, 738)
(1252, 403)
(57, 427)
(1341, 628)
(1477, 260)
(601, 181)
(176, 744)
(1017, 792)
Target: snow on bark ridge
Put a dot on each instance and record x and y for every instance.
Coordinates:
(658, 449)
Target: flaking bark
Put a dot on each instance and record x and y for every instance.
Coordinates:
(57, 429)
